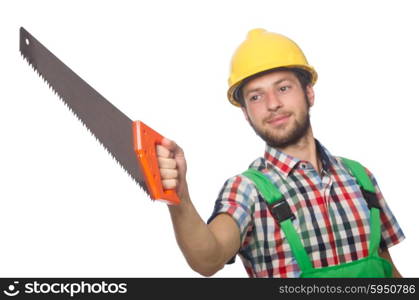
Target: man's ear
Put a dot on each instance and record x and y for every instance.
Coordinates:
(310, 94)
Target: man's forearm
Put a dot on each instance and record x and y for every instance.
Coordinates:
(197, 242)
(204, 253)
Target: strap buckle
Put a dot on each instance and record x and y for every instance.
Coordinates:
(371, 198)
(282, 211)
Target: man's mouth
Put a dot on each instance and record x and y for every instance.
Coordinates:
(278, 119)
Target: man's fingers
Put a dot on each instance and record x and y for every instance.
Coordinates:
(171, 163)
(163, 152)
(169, 184)
(168, 173)
(167, 163)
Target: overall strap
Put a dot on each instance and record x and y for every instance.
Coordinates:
(282, 212)
(368, 191)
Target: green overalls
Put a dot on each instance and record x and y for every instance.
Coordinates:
(372, 266)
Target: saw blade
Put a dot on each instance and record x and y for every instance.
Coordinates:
(107, 123)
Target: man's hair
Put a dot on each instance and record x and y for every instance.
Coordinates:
(303, 76)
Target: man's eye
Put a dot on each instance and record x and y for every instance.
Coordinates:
(254, 98)
(284, 88)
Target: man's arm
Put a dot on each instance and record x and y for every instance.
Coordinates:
(386, 255)
(206, 247)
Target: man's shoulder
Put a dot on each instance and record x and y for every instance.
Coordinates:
(240, 181)
(258, 164)
(344, 162)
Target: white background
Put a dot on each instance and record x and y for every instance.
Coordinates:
(66, 208)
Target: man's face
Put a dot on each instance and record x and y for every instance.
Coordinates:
(278, 108)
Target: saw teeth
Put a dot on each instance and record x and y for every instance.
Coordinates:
(140, 183)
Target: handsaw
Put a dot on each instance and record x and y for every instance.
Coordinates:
(131, 143)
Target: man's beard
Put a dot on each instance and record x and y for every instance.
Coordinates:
(299, 129)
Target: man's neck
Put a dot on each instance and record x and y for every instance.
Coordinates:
(305, 149)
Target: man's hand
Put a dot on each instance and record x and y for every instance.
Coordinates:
(172, 165)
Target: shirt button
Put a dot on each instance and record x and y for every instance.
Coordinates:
(303, 166)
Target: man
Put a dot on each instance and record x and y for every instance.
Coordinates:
(273, 84)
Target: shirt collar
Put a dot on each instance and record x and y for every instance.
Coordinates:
(286, 163)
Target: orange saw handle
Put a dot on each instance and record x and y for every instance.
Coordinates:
(145, 141)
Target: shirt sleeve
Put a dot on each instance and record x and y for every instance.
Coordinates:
(391, 232)
(237, 198)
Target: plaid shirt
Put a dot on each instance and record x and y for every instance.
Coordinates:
(332, 217)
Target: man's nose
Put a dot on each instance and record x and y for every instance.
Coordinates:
(273, 101)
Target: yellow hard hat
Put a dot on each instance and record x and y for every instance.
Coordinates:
(262, 51)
